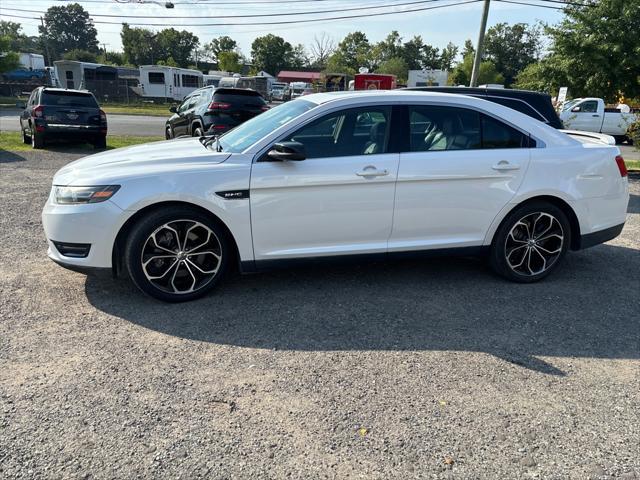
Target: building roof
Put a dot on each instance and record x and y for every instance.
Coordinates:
(302, 75)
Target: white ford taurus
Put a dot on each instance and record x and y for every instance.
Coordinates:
(338, 175)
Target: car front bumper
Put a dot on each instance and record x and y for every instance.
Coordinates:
(94, 224)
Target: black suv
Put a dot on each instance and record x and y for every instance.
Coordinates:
(59, 114)
(534, 104)
(212, 110)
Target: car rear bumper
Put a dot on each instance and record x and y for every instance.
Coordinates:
(601, 236)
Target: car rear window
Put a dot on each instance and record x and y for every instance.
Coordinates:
(75, 99)
(238, 97)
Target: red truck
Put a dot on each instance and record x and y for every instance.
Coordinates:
(374, 81)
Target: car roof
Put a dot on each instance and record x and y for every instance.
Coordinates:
(60, 90)
(504, 92)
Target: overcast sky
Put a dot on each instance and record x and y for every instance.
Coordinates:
(437, 27)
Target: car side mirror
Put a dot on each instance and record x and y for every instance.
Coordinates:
(286, 151)
(575, 109)
(173, 109)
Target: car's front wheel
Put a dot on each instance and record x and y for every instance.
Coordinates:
(168, 134)
(176, 254)
(531, 242)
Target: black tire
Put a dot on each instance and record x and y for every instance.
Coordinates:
(140, 247)
(506, 249)
(26, 139)
(168, 134)
(37, 140)
(197, 132)
(100, 143)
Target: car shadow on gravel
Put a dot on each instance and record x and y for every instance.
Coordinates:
(588, 308)
(10, 157)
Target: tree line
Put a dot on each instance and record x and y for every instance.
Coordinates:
(593, 50)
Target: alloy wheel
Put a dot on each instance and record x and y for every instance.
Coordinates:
(181, 256)
(534, 244)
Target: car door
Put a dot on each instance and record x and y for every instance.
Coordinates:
(337, 201)
(585, 116)
(182, 121)
(461, 169)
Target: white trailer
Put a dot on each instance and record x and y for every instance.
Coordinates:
(32, 61)
(157, 81)
(71, 73)
(427, 78)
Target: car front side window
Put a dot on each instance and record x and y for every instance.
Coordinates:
(356, 131)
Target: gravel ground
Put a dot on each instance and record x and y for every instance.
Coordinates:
(429, 369)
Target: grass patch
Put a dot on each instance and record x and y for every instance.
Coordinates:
(151, 109)
(632, 164)
(12, 141)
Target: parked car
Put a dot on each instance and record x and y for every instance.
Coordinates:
(213, 110)
(24, 74)
(534, 104)
(280, 92)
(58, 114)
(339, 174)
(591, 115)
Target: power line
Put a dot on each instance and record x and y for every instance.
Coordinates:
(315, 12)
(284, 22)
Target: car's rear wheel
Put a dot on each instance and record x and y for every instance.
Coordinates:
(531, 242)
(197, 132)
(176, 254)
(26, 139)
(168, 134)
(37, 139)
(100, 143)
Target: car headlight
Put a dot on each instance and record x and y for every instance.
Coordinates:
(75, 195)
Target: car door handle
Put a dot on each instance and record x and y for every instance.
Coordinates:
(595, 115)
(372, 171)
(504, 165)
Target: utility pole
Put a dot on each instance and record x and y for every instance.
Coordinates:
(46, 42)
(478, 58)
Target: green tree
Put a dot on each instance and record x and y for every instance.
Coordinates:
(412, 52)
(272, 54)
(178, 45)
(80, 56)
(597, 49)
(230, 61)
(353, 52)
(448, 56)
(8, 60)
(67, 28)
(461, 74)
(18, 41)
(511, 48)
(218, 45)
(395, 66)
(112, 58)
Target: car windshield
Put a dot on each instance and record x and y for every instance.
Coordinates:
(245, 135)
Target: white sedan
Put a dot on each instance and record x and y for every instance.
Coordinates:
(339, 175)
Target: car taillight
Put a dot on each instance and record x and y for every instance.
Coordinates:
(103, 116)
(38, 112)
(621, 166)
(218, 127)
(219, 106)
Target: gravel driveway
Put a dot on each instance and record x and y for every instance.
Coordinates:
(417, 369)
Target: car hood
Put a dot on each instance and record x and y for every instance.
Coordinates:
(139, 160)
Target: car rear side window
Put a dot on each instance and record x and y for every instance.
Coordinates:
(496, 134)
(434, 128)
(71, 99)
(443, 128)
